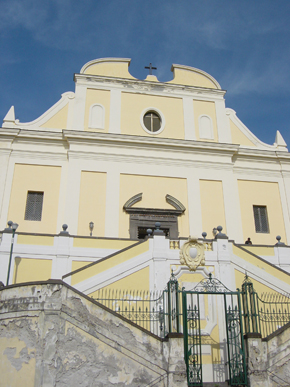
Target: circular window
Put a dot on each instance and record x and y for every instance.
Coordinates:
(152, 121)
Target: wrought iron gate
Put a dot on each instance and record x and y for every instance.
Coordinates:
(193, 334)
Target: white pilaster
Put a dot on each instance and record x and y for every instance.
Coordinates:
(79, 107)
(188, 116)
(115, 111)
(72, 197)
(232, 208)
(284, 189)
(283, 254)
(194, 206)
(160, 266)
(61, 263)
(7, 194)
(62, 198)
(112, 204)
(5, 247)
(223, 125)
(4, 160)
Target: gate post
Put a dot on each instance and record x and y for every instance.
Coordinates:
(250, 310)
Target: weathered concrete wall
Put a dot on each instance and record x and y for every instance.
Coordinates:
(269, 359)
(51, 335)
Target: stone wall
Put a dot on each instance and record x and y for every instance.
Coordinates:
(269, 359)
(52, 335)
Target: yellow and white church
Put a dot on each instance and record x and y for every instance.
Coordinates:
(122, 185)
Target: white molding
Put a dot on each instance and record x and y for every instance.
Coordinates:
(161, 115)
(256, 142)
(41, 120)
(148, 87)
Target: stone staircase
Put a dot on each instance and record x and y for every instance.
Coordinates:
(215, 384)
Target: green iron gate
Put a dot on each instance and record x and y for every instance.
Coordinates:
(193, 336)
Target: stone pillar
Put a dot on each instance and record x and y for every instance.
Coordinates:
(176, 365)
(257, 361)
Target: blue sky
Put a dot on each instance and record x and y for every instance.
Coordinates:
(243, 44)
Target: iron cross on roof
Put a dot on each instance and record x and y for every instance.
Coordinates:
(150, 68)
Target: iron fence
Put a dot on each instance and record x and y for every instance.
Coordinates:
(266, 313)
(159, 312)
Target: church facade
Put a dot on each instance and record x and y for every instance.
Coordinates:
(125, 182)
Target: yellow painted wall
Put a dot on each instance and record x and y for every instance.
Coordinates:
(39, 240)
(212, 206)
(10, 376)
(133, 106)
(78, 264)
(238, 137)
(263, 194)
(58, 121)
(205, 108)
(263, 265)
(260, 250)
(191, 78)
(35, 178)
(154, 190)
(106, 264)
(92, 243)
(92, 204)
(97, 97)
(138, 281)
(26, 269)
(114, 69)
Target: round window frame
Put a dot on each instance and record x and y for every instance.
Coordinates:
(156, 111)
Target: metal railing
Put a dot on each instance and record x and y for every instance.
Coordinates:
(159, 312)
(266, 313)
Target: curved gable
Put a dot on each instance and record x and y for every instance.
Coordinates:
(190, 76)
(111, 67)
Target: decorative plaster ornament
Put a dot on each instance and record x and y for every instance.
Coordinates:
(192, 254)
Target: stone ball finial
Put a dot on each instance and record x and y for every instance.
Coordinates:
(204, 234)
(10, 223)
(279, 243)
(149, 231)
(157, 225)
(64, 227)
(220, 235)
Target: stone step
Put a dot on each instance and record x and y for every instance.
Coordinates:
(215, 384)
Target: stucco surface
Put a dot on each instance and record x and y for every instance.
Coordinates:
(57, 337)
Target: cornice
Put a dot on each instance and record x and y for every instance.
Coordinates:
(165, 161)
(146, 86)
(245, 172)
(244, 154)
(34, 155)
(89, 138)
